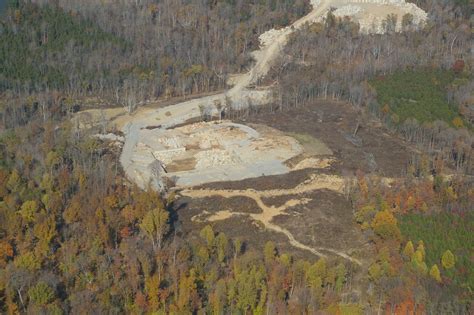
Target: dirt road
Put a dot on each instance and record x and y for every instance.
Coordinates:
(267, 54)
(137, 167)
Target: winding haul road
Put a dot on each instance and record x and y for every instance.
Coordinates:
(136, 166)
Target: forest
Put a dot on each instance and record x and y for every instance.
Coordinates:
(85, 49)
(423, 236)
(77, 237)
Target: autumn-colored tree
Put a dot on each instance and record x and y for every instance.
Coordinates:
(448, 260)
(457, 122)
(45, 231)
(28, 210)
(222, 244)
(155, 226)
(6, 252)
(375, 271)
(187, 294)
(340, 277)
(434, 273)
(421, 248)
(315, 275)
(203, 255)
(14, 181)
(409, 250)
(152, 287)
(365, 215)
(250, 288)
(71, 213)
(41, 294)
(418, 262)
(385, 225)
(208, 235)
(218, 297)
(28, 261)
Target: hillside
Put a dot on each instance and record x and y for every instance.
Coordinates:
(247, 157)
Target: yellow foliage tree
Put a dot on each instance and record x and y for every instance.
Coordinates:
(27, 261)
(269, 251)
(418, 261)
(457, 122)
(375, 271)
(222, 244)
(207, 234)
(434, 273)
(421, 249)
(155, 225)
(14, 181)
(28, 210)
(45, 231)
(409, 250)
(385, 225)
(448, 260)
(152, 287)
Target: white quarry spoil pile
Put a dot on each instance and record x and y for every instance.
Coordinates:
(370, 14)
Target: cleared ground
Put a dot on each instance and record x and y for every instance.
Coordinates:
(333, 123)
(306, 206)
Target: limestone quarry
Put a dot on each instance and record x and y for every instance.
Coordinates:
(149, 154)
(163, 145)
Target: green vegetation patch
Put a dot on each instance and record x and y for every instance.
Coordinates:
(417, 94)
(441, 232)
(35, 47)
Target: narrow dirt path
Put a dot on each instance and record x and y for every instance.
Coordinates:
(269, 53)
(330, 182)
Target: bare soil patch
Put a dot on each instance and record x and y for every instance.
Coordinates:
(284, 181)
(269, 213)
(243, 227)
(326, 220)
(213, 204)
(182, 165)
